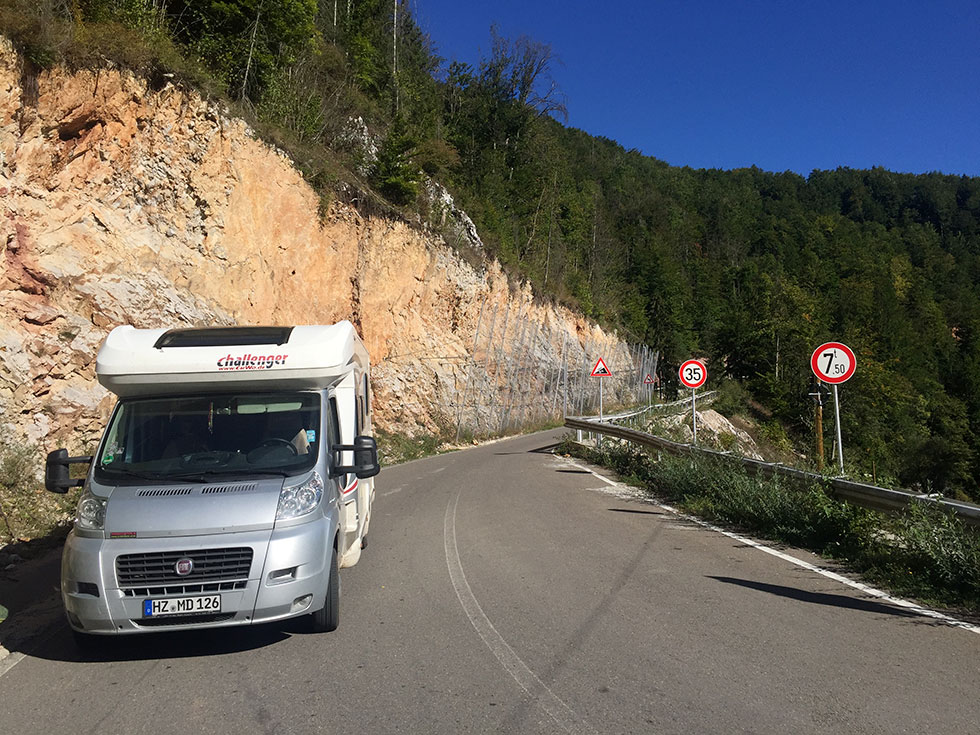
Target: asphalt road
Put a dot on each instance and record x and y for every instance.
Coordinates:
(509, 590)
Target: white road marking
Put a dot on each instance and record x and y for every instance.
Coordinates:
(27, 631)
(392, 492)
(561, 713)
(625, 493)
(8, 660)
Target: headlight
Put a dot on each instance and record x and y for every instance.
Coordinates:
(299, 500)
(91, 511)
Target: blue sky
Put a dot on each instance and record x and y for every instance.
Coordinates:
(795, 85)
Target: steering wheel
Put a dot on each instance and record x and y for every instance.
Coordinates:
(273, 441)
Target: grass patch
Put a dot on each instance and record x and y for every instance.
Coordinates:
(27, 510)
(397, 448)
(48, 33)
(923, 552)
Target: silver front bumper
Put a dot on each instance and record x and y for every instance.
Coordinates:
(287, 577)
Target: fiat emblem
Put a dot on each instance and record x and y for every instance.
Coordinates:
(183, 567)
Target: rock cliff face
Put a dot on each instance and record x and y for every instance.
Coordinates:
(121, 204)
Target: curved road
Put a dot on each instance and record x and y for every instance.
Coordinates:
(509, 590)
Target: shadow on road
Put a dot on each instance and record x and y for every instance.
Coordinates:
(55, 643)
(637, 511)
(546, 449)
(821, 598)
(36, 625)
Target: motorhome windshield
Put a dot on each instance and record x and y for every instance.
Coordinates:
(183, 437)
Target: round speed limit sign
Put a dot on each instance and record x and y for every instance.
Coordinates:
(693, 373)
(833, 362)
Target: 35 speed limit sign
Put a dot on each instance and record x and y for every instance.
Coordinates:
(833, 362)
(693, 373)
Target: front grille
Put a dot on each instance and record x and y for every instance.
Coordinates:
(184, 589)
(157, 569)
(183, 620)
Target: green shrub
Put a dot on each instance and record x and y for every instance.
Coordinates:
(774, 433)
(395, 174)
(437, 157)
(934, 550)
(17, 484)
(396, 448)
(731, 399)
(727, 441)
(26, 509)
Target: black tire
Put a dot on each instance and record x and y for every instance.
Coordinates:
(327, 618)
(363, 542)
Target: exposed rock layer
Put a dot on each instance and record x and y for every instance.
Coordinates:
(120, 204)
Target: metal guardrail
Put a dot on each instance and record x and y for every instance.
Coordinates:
(656, 407)
(859, 493)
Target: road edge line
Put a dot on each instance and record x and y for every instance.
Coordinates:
(860, 586)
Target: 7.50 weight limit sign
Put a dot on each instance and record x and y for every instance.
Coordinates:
(833, 362)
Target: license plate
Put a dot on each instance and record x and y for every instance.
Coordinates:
(181, 606)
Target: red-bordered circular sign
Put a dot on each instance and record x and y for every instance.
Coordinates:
(833, 362)
(693, 373)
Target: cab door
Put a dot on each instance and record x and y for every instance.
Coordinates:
(365, 487)
(346, 485)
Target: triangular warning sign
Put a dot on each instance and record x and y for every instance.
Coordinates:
(648, 380)
(600, 370)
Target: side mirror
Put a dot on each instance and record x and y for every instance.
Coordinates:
(365, 451)
(56, 478)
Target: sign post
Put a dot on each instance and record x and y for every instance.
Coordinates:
(818, 423)
(834, 363)
(648, 382)
(599, 370)
(693, 374)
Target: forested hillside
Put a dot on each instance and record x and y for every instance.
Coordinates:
(748, 269)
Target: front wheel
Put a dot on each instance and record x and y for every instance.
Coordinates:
(327, 618)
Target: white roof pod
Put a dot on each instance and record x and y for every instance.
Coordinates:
(147, 362)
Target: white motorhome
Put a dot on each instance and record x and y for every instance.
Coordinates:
(232, 481)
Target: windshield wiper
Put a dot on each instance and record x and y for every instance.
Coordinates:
(203, 475)
(134, 473)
